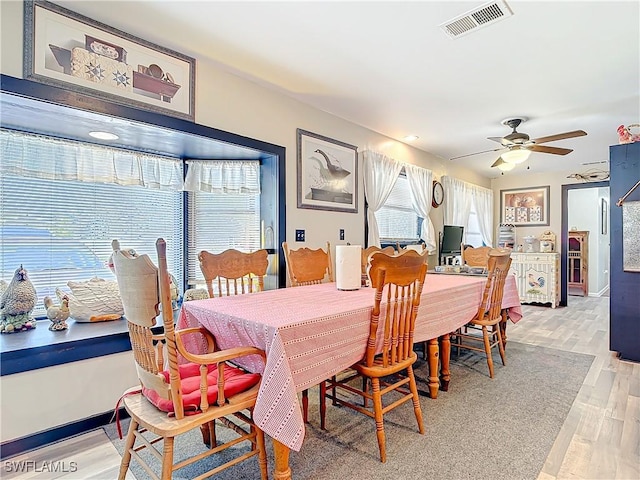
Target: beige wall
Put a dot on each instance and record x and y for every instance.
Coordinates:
(229, 103)
(555, 181)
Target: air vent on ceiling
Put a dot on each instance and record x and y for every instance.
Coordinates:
(479, 17)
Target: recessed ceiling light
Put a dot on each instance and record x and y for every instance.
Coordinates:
(410, 138)
(104, 135)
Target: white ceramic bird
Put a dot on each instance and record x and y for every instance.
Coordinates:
(57, 314)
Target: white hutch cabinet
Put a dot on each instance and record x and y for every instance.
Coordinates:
(537, 277)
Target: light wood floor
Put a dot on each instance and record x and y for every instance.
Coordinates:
(600, 438)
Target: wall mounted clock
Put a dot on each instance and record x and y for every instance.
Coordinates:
(438, 194)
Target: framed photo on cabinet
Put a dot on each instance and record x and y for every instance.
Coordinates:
(525, 206)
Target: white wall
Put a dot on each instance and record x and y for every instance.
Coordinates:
(584, 214)
(236, 105)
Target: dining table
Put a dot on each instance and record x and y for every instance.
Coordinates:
(313, 332)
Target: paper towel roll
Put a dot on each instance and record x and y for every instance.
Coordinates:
(348, 268)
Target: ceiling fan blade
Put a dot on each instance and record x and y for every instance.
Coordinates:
(560, 136)
(553, 150)
(501, 140)
(477, 153)
(499, 161)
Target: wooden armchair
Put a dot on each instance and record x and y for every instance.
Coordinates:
(476, 335)
(232, 272)
(306, 266)
(180, 397)
(475, 256)
(397, 281)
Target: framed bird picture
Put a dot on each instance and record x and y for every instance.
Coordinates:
(327, 173)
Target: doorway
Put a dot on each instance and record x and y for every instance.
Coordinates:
(593, 219)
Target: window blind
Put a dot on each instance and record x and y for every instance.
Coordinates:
(61, 230)
(217, 222)
(396, 219)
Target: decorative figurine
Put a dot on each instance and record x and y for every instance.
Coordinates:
(57, 314)
(16, 304)
(195, 294)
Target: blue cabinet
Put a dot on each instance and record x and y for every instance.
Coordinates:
(624, 305)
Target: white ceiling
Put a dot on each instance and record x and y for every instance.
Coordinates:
(566, 65)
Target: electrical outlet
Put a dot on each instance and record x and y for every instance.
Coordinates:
(342, 234)
(299, 235)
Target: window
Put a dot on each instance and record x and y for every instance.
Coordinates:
(472, 232)
(218, 221)
(397, 220)
(61, 230)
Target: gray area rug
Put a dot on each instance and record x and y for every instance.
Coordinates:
(480, 429)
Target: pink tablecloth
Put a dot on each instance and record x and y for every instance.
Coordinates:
(310, 333)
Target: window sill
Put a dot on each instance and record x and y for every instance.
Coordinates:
(41, 348)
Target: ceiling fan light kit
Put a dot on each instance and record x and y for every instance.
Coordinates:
(516, 155)
(506, 167)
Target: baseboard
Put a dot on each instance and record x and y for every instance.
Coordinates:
(46, 437)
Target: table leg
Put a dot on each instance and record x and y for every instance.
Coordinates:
(433, 350)
(445, 354)
(281, 455)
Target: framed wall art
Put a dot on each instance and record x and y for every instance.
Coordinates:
(65, 49)
(327, 173)
(525, 206)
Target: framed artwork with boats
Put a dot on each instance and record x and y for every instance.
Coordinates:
(65, 49)
(327, 173)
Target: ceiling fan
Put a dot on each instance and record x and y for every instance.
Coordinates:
(519, 145)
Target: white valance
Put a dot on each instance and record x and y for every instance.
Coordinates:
(223, 176)
(48, 158)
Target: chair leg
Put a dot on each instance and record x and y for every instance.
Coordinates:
(416, 400)
(323, 405)
(501, 346)
(487, 349)
(305, 406)
(365, 384)
(126, 456)
(262, 454)
(377, 408)
(167, 458)
(208, 431)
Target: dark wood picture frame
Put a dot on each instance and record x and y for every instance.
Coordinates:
(327, 173)
(68, 50)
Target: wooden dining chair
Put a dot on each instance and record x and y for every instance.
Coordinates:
(475, 335)
(367, 252)
(398, 282)
(306, 266)
(475, 256)
(232, 272)
(176, 398)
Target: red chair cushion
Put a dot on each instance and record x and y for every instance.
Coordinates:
(235, 381)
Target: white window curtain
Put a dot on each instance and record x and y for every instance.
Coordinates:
(457, 201)
(459, 196)
(223, 176)
(483, 200)
(380, 174)
(23, 154)
(421, 181)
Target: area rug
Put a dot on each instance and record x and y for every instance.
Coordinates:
(500, 428)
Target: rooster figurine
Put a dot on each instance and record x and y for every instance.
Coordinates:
(16, 304)
(57, 314)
